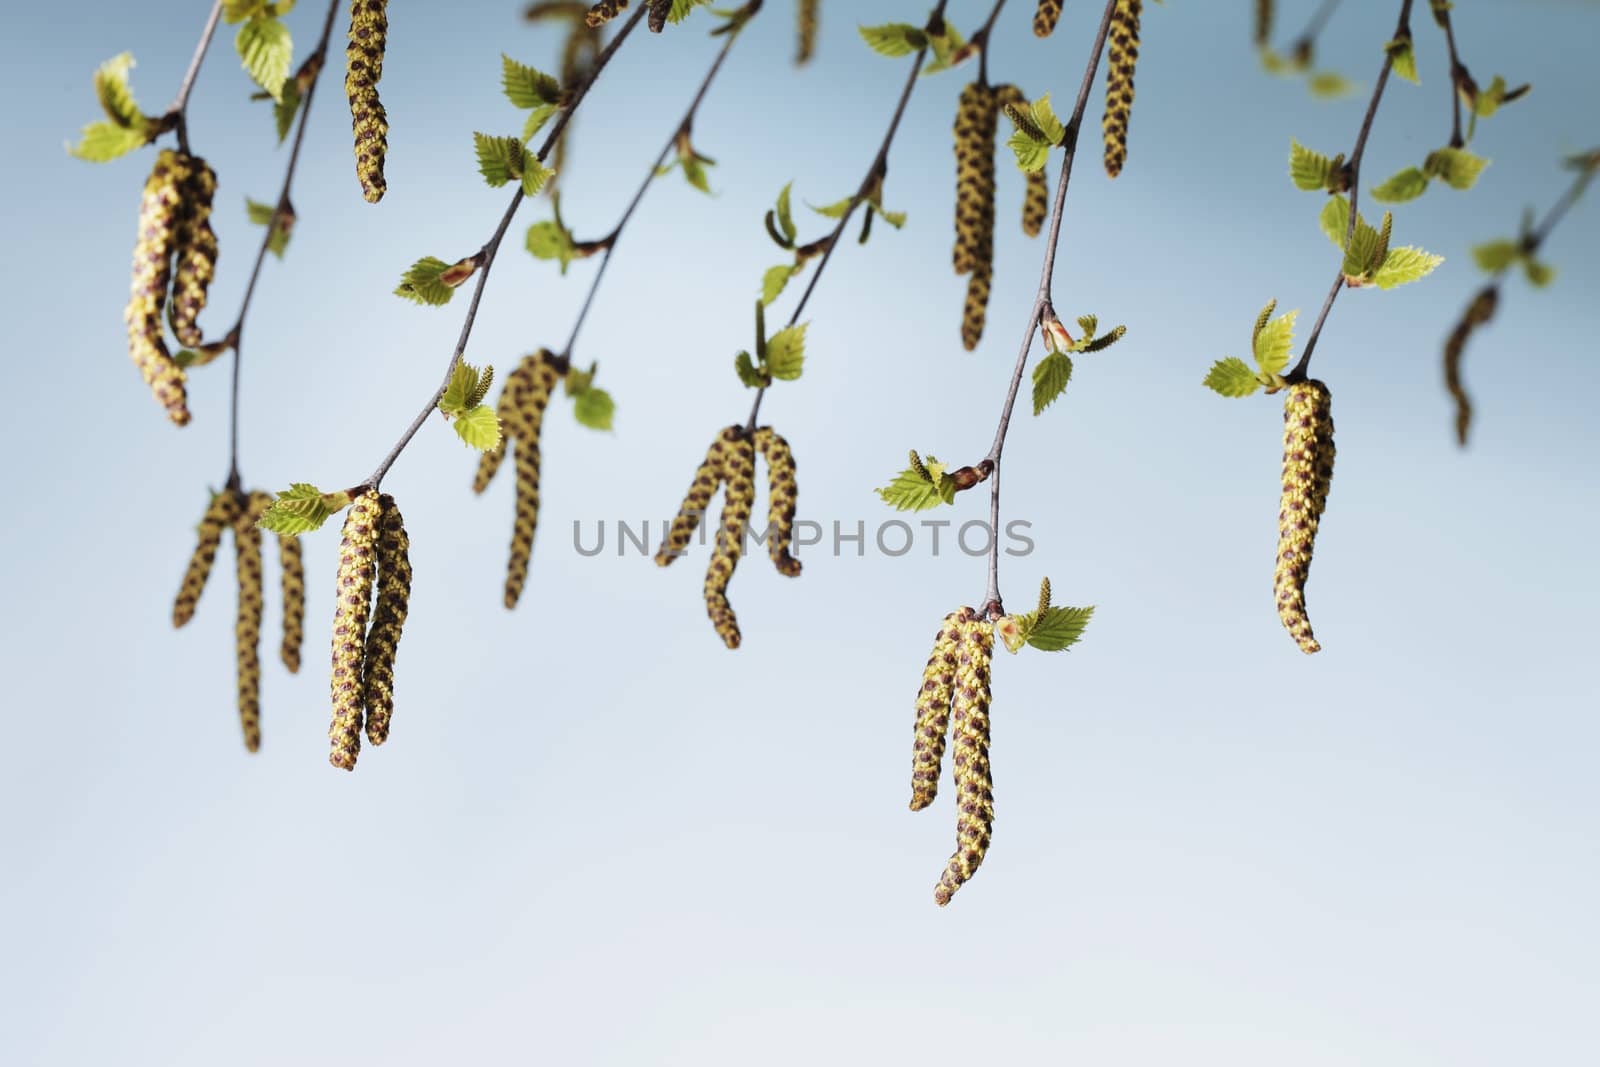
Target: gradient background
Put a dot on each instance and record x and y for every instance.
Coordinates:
(597, 836)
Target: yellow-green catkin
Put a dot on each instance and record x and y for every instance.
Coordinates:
(388, 619)
(220, 515)
(1124, 55)
(707, 478)
(1046, 17)
(604, 12)
(159, 210)
(974, 148)
(806, 45)
(782, 498)
(1035, 202)
(292, 570)
(529, 388)
(970, 758)
(658, 14)
(194, 253)
(247, 624)
(357, 556)
(739, 468)
(369, 32)
(1307, 474)
(975, 309)
(933, 709)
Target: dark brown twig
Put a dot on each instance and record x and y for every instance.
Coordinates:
(177, 115)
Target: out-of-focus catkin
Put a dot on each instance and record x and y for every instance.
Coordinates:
(195, 253)
(658, 14)
(976, 122)
(1479, 312)
(357, 555)
(1035, 202)
(159, 210)
(975, 309)
(604, 12)
(369, 33)
(1046, 17)
(933, 709)
(707, 477)
(806, 45)
(527, 394)
(220, 515)
(782, 499)
(739, 469)
(970, 758)
(1308, 453)
(247, 624)
(1124, 56)
(388, 619)
(292, 570)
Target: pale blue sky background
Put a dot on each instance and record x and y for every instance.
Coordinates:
(598, 837)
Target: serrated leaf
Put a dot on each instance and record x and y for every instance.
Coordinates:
(1050, 380)
(551, 240)
(421, 282)
(261, 214)
(103, 141)
(1334, 219)
(116, 98)
(594, 408)
(238, 10)
(1231, 377)
(525, 86)
(946, 46)
(836, 210)
(536, 120)
(1456, 167)
(499, 158)
(681, 9)
(1056, 629)
(894, 38)
(1403, 58)
(1031, 154)
(462, 392)
(1407, 185)
(786, 215)
(1496, 256)
(897, 219)
(1307, 169)
(745, 368)
(534, 173)
(1273, 343)
(285, 109)
(694, 169)
(1044, 117)
(266, 50)
(301, 509)
(786, 352)
(1088, 324)
(775, 279)
(478, 427)
(1404, 265)
(911, 491)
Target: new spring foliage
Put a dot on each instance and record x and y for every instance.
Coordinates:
(1308, 453)
(369, 32)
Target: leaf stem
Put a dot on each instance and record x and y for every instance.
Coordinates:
(280, 211)
(178, 113)
(1353, 171)
(492, 247)
(875, 173)
(992, 604)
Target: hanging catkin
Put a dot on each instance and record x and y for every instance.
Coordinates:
(1124, 55)
(782, 499)
(388, 619)
(220, 515)
(369, 33)
(247, 624)
(293, 576)
(1480, 311)
(529, 387)
(194, 253)
(970, 759)
(933, 709)
(806, 46)
(1045, 19)
(604, 12)
(159, 210)
(707, 477)
(1308, 453)
(739, 464)
(1035, 202)
(357, 553)
(974, 149)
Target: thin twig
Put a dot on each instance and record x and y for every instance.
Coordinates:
(992, 605)
(491, 248)
(178, 113)
(280, 211)
(1353, 174)
(683, 128)
(875, 173)
(981, 39)
(1319, 19)
(1457, 72)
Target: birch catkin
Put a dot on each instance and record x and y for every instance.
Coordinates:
(388, 619)
(529, 387)
(195, 253)
(1308, 453)
(970, 759)
(293, 577)
(658, 14)
(1036, 202)
(357, 552)
(369, 32)
(220, 515)
(247, 624)
(1124, 55)
(782, 498)
(806, 46)
(707, 478)
(933, 709)
(1045, 19)
(976, 121)
(739, 469)
(152, 271)
(604, 12)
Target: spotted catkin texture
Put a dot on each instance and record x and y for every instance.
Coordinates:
(970, 759)
(806, 45)
(975, 309)
(604, 12)
(933, 709)
(353, 592)
(220, 515)
(740, 469)
(782, 499)
(1307, 474)
(194, 253)
(1046, 17)
(292, 569)
(159, 211)
(974, 148)
(247, 624)
(1479, 312)
(658, 14)
(707, 478)
(388, 619)
(1124, 55)
(1035, 202)
(526, 395)
(369, 33)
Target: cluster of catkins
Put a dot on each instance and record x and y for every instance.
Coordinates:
(1124, 55)
(176, 251)
(731, 461)
(957, 679)
(369, 33)
(1307, 474)
(976, 119)
(239, 512)
(521, 410)
(374, 552)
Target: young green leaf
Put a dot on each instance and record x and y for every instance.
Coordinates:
(1307, 169)
(116, 98)
(468, 386)
(301, 509)
(285, 109)
(894, 39)
(786, 352)
(1050, 380)
(526, 87)
(775, 279)
(261, 214)
(1231, 377)
(534, 173)
(594, 408)
(1407, 185)
(785, 214)
(552, 240)
(499, 158)
(1496, 255)
(478, 427)
(1329, 84)
(1540, 274)
(1457, 167)
(1403, 58)
(102, 142)
(1056, 629)
(1403, 265)
(266, 50)
(835, 210)
(421, 283)
(919, 487)
(1273, 342)
(748, 373)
